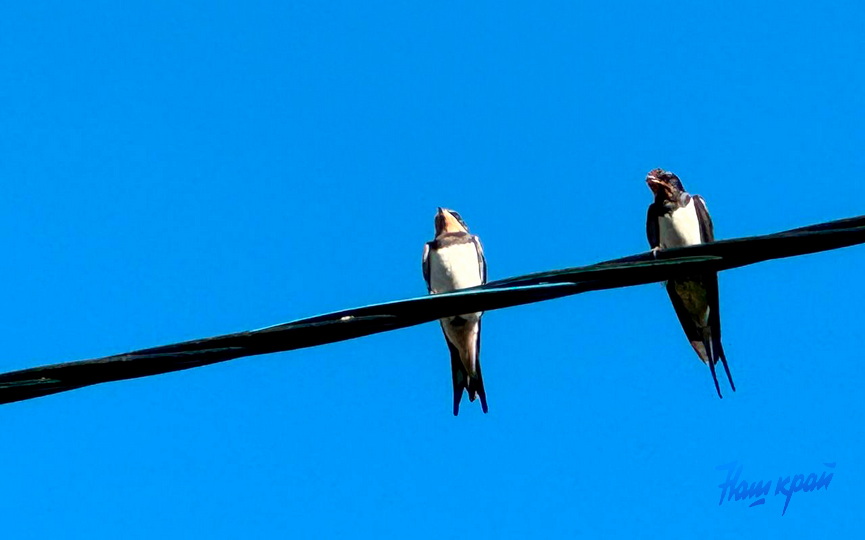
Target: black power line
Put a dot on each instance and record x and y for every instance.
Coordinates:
(352, 323)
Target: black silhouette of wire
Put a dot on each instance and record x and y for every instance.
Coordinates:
(352, 323)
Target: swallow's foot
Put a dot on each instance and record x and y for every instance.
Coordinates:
(655, 251)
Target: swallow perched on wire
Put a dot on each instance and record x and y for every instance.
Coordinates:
(453, 260)
(678, 219)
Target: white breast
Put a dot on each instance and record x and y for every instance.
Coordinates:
(681, 227)
(454, 267)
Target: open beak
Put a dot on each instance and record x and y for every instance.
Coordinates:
(655, 184)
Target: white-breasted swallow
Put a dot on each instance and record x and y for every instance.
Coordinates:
(453, 260)
(678, 219)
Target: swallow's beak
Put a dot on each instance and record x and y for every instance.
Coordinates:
(440, 220)
(655, 184)
(446, 222)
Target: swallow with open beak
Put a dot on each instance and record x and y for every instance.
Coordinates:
(453, 260)
(678, 219)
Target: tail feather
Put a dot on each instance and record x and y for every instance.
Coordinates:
(458, 373)
(719, 351)
(715, 325)
(473, 384)
(476, 383)
(705, 336)
(712, 361)
(715, 352)
(475, 389)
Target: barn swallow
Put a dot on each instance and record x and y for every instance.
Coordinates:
(678, 219)
(453, 260)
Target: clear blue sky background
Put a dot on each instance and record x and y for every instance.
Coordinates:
(179, 170)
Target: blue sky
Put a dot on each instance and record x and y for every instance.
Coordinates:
(179, 170)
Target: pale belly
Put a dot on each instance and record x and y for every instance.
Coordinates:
(680, 228)
(454, 267)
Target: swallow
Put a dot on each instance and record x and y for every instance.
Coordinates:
(453, 260)
(677, 219)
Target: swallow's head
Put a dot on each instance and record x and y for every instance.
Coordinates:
(448, 221)
(665, 185)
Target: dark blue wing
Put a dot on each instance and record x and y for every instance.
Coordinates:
(653, 233)
(425, 265)
(482, 260)
(707, 229)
